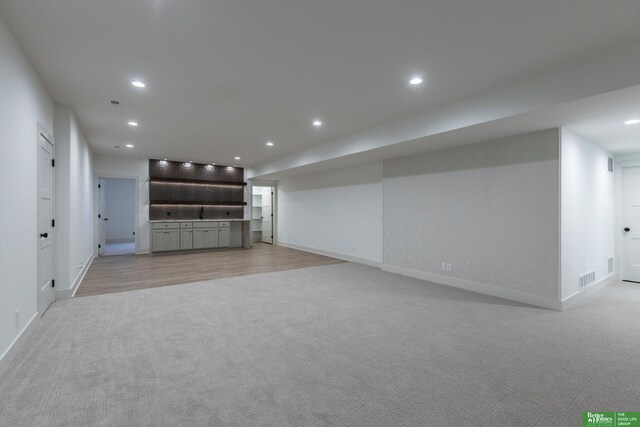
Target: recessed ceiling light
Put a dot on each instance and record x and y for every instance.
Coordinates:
(269, 144)
(415, 80)
(237, 157)
(134, 124)
(317, 123)
(138, 83)
(632, 122)
(129, 145)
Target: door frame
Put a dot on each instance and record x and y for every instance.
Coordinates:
(96, 209)
(620, 162)
(274, 205)
(49, 137)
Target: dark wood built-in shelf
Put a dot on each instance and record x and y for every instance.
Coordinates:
(196, 181)
(186, 191)
(169, 202)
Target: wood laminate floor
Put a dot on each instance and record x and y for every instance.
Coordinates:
(129, 272)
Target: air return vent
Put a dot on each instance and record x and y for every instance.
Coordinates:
(586, 279)
(610, 265)
(610, 164)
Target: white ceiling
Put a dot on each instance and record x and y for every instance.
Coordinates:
(226, 76)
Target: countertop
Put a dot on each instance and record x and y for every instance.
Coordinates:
(199, 220)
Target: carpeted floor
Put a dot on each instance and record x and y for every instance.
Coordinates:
(340, 345)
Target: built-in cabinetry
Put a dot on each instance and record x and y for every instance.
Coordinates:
(189, 191)
(262, 214)
(256, 213)
(184, 235)
(166, 237)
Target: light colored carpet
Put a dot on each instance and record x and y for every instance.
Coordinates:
(342, 344)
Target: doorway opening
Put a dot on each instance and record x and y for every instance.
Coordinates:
(262, 217)
(116, 216)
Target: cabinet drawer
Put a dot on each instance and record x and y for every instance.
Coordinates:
(162, 225)
(223, 224)
(205, 224)
(186, 224)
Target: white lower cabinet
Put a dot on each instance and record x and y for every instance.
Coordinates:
(173, 236)
(205, 235)
(166, 240)
(186, 239)
(223, 237)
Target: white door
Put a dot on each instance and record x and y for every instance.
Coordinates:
(267, 215)
(45, 225)
(102, 212)
(631, 224)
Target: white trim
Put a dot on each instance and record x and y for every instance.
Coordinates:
(588, 291)
(18, 343)
(69, 293)
(480, 288)
(331, 254)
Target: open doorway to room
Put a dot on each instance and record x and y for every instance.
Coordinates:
(116, 216)
(262, 216)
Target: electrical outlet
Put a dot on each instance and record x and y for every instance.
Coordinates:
(17, 318)
(448, 267)
(443, 266)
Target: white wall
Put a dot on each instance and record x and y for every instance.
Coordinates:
(24, 102)
(74, 202)
(123, 167)
(491, 210)
(587, 211)
(337, 212)
(120, 199)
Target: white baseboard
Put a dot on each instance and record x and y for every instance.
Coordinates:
(121, 240)
(480, 288)
(18, 343)
(590, 290)
(143, 252)
(331, 254)
(69, 293)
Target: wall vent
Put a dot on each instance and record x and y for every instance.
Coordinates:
(610, 265)
(586, 279)
(610, 164)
